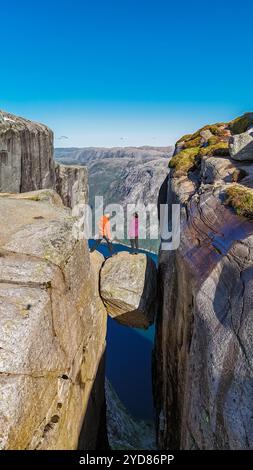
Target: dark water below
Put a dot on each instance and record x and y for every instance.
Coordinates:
(128, 359)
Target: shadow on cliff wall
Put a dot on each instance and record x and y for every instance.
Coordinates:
(162, 195)
(93, 435)
(227, 286)
(232, 306)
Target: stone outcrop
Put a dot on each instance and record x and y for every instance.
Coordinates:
(26, 155)
(53, 327)
(128, 289)
(241, 146)
(72, 184)
(26, 162)
(203, 362)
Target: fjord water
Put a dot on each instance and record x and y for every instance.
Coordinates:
(129, 358)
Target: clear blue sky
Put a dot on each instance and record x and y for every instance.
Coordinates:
(126, 72)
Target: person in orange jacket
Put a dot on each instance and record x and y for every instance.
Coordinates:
(104, 233)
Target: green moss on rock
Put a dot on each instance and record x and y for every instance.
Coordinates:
(213, 140)
(193, 143)
(192, 147)
(187, 159)
(185, 138)
(241, 124)
(218, 130)
(241, 199)
(184, 161)
(221, 148)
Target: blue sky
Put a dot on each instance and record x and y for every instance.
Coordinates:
(126, 72)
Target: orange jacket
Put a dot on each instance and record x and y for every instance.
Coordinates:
(104, 227)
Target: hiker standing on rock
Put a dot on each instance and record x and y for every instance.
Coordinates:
(104, 233)
(134, 233)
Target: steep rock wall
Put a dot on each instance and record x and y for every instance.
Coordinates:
(26, 155)
(203, 362)
(53, 328)
(71, 183)
(26, 162)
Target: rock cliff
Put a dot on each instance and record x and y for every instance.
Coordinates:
(203, 362)
(52, 318)
(71, 183)
(53, 327)
(26, 162)
(26, 150)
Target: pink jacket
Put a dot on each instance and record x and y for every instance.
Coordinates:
(134, 228)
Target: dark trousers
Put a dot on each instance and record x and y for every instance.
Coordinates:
(134, 244)
(99, 240)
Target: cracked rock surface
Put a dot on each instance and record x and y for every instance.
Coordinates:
(26, 155)
(52, 323)
(203, 367)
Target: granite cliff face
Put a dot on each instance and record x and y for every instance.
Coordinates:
(52, 317)
(26, 148)
(53, 327)
(71, 182)
(203, 362)
(26, 162)
(53, 321)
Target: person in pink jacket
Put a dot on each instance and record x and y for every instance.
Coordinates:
(134, 233)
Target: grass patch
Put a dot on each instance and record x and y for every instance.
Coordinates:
(188, 159)
(241, 199)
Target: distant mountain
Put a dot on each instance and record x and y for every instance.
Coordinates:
(80, 156)
(126, 175)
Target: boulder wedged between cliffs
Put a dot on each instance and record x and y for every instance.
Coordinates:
(128, 289)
